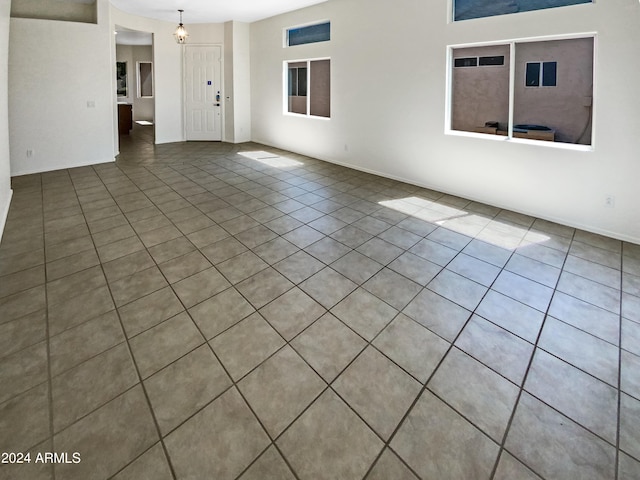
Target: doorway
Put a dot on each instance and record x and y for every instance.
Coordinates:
(203, 92)
(135, 86)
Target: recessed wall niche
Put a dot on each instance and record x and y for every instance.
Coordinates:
(83, 11)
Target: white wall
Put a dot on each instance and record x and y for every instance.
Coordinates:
(57, 70)
(237, 78)
(389, 79)
(5, 168)
(242, 81)
(167, 70)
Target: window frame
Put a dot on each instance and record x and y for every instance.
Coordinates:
(285, 88)
(510, 138)
(139, 92)
(541, 83)
(285, 33)
(453, 19)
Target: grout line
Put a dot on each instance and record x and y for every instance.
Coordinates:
(361, 188)
(524, 380)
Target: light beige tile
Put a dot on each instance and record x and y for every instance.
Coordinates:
(456, 448)
(270, 466)
(556, 447)
(379, 391)
(412, 346)
(280, 389)
(246, 345)
(478, 393)
(329, 429)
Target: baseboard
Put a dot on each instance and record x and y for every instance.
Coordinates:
(54, 167)
(5, 213)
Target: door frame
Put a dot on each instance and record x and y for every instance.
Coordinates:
(184, 90)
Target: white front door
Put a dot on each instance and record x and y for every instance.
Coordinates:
(203, 92)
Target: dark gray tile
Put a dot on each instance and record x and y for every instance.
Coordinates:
(164, 343)
(198, 373)
(138, 285)
(149, 310)
(182, 267)
(75, 284)
(128, 265)
(173, 248)
(152, 465)
(80, 343)
(84, 388)
(79, 309)
(239, 439)
(22, 280)
(23, 370)
(24, 420)
(22, 332)
(125, 421)
(119, 249)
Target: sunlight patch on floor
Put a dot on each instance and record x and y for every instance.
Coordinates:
(271, 159)
(502, 234)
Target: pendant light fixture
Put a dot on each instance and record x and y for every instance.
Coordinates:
(181, 32)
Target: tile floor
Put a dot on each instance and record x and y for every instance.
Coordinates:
(216, 311)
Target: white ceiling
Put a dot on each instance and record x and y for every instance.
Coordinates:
(210, 11)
